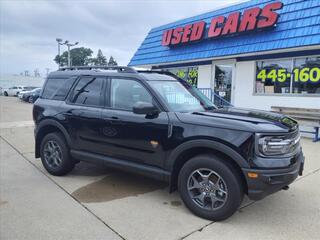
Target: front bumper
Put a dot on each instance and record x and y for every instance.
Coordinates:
(269, 181)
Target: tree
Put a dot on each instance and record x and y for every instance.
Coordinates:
(100, 59)
(112, 62)
(79, 57)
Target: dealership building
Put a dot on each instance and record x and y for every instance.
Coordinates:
(256, 54)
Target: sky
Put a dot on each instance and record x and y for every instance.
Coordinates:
(28, 29)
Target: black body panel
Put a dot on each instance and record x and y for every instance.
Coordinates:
(152, 144)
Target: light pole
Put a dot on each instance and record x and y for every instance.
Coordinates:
(59, 41)
(70, 45)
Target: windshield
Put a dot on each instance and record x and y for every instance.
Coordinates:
(182, 97)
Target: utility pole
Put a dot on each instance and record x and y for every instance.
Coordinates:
(70, 45)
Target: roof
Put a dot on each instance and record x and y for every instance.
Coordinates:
(298, 26)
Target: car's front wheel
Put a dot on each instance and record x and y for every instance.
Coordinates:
(30, 99)
(55, 155)
(6, 94)
(210, 187)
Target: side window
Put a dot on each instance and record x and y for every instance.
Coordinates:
(125, 93)
(57, 88)
(88, 91)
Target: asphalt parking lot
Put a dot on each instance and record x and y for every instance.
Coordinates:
(100, 203)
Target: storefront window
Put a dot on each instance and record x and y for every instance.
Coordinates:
(288, 76)
(190, 74)
(273, 76)
(306, 75)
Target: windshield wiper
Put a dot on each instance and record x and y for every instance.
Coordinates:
(210, 108)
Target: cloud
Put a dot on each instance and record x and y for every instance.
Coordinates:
(28, 29)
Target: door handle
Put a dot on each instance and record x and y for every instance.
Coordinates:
(110, 118)
(113, 120)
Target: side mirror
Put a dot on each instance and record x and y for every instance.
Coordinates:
(145, 108)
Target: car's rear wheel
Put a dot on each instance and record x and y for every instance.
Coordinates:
(210, 187)
(6, 94)
(55, 155)
(30, 99)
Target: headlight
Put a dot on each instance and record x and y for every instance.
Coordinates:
(278, 145)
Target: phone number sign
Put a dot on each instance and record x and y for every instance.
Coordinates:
(282, 75)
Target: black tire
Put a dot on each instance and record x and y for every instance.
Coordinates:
(30, 99)
(6, 94)
(66, 163)
(230, 177)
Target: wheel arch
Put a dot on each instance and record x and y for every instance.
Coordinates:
(45, 127)
(198, 147)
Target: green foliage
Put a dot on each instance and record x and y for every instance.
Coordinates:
(82, 57)
(112, 62)
(100, 59)
(79, 57)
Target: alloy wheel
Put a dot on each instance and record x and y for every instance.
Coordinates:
(53, 154)
(207, 189)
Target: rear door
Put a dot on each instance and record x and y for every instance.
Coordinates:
(84, 113)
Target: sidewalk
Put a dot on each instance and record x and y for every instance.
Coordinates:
(33, 207)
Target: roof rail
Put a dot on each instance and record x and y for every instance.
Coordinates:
(160, 71)
(123, 69)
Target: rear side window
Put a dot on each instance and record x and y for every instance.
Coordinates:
(57, 88)
(88, 91)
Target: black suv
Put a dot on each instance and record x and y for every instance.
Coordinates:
(153, 123)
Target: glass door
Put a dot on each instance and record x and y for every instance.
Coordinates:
(223, 79)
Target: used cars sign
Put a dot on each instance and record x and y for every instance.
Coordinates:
(237, 22)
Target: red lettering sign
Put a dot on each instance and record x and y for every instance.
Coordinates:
(166, 37)
(231, 25)
(251, 19)
(176, 35)
(197, 31)
(270, 17)
(214, 30)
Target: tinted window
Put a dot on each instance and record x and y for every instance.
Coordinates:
(88, 91)
(125, 93)
(57, 88)
(182, 97)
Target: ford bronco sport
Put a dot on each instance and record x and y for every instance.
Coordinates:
(153, 123)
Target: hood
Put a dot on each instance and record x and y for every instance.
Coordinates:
(241, 119)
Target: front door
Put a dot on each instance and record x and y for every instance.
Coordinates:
(131, 136)
(223, 80)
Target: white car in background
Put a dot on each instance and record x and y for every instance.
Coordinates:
(12, 91)
(25, 90)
